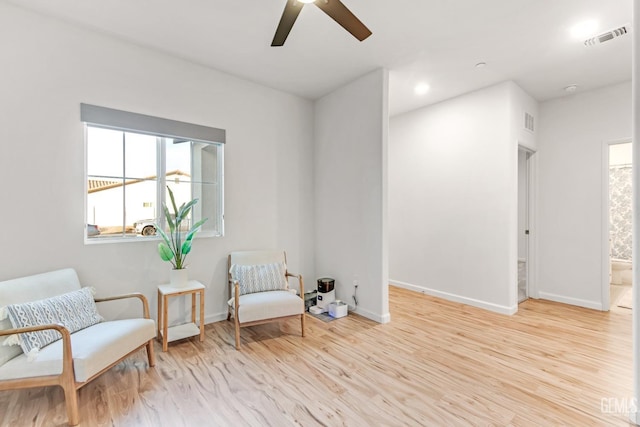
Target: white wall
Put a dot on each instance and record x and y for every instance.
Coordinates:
(453, 197)
(350, 189)
(635, 113)
(573, 130)
(49, 68)
(521, 103)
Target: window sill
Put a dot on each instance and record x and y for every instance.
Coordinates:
(101, 240)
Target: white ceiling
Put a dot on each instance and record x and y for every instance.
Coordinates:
(435, 41)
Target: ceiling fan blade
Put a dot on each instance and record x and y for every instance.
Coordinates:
(289, 16)
(343, 16)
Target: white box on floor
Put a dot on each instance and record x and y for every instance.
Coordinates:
(338, 309)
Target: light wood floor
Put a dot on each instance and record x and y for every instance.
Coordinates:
(437, 363)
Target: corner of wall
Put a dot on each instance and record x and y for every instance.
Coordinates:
(350, 185)
(525, 116)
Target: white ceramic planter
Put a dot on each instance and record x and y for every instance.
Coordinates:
(179, 278)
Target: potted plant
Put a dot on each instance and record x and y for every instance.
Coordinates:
(175, 247)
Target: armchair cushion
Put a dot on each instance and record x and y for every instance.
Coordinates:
(260, 278)
(268, 305)
(94, 348)
(75, 310)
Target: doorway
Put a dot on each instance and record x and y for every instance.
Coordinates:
(525, 171)
(618, 216)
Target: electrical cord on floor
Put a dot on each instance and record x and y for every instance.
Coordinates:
(355, 297)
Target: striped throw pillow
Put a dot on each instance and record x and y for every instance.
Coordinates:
(75, 310)
(260, 278)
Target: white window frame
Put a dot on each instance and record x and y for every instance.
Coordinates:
(122, 121)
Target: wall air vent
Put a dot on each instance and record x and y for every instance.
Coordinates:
(606, 36)
(528, 122)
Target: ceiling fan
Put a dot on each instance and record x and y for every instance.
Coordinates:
(334, 8)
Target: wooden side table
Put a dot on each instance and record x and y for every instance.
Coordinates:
(178, 332)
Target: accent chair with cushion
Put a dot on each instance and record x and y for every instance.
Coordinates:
(53, 335)
(259, 290)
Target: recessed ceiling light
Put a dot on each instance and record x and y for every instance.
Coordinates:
(571, 88)
(306, 1)
(584, 29)
(421, 88)
(481, 64)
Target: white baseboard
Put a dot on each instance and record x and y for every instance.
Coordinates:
(215, 317)
(595, 305)
(385, 318)
(502, 309)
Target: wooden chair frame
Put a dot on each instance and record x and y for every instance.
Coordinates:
(66, 379)
(234, 291)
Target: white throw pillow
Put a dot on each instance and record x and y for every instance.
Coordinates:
(260, 278)
(75, 310)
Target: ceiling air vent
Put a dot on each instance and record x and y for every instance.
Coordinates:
(528, 122)
(605, 37)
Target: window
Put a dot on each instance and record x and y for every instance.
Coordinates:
(131, 159)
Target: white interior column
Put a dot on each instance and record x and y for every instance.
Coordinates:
(633, 416)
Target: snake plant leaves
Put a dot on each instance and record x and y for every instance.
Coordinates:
(167, 215)
(173, 201)
(195, 228)
(165, 253)
(186, 247)
(173, 248)
(164, 236)
(183, 212)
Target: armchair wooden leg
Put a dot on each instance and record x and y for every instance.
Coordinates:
(71, 400)
(302, 323)
(237, 333)
(150, 354)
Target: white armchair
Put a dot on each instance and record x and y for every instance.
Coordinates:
(78, 353)
(259, 290)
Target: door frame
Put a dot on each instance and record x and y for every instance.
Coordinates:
(606, 226)
(532, 241)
